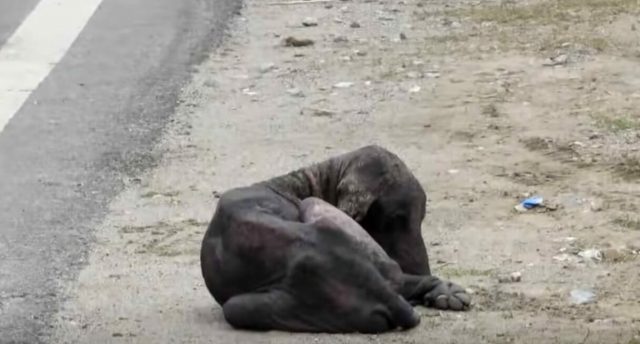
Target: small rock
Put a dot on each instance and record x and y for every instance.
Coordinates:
(514, 277)
(565, 258)
(309, 21)
(432, 74)
(360, 53)
(117, 334)
(267, 67)
(249, 92)
(343, 84)
(413, 75)
(340, 39)
(591, 254)
(297, 42)
(520, 208)
(453, 171)
(211, 83)
(403, 36)
(354, 25)
(317, 112)
(556, 61)
(296, 92)
(415, 89)
(596, 205)
(582, 296)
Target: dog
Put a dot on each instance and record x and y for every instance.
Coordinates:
(335, 247)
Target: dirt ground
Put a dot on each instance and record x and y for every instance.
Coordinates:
(488, 103)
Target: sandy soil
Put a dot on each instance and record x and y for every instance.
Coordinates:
(487, 103)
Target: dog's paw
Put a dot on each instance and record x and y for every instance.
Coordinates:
(448, 296)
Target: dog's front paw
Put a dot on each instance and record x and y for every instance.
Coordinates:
(448, 296)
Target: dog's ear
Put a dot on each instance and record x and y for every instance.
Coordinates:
(354, 198)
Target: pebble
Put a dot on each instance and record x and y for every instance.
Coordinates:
(340, 39)
(249, 92)
(514, 277)
(596, 205)
(296, 92)
(210, 83)
(309, 21)
(317, 112)
(564, 257)
(556, 61)
(415, 89)
(432, 74)
(582, 296)
(591, 254)
(355, 25)
(297, 42)
(343, 84)
(267, 67)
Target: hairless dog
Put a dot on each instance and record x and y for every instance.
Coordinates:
(333, 247)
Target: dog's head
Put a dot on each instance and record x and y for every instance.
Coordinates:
(379, 191)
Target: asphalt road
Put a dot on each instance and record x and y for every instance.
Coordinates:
(12, 13)
(89, 128)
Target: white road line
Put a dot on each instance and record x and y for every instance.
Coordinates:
(36, 47)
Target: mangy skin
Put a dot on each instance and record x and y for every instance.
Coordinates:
(333, 247)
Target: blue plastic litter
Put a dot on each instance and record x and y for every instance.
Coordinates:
(532, 202)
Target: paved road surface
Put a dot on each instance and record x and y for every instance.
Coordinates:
(12, 13)
(87, 129)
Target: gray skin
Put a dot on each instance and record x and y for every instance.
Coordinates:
(349, 258)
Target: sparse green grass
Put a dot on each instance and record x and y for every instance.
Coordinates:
(550, 11)
(548, 24)
(558, 37)
(616, 123)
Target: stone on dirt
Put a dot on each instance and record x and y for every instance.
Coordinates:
(297, 42)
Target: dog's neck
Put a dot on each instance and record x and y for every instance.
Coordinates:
(319, 180)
